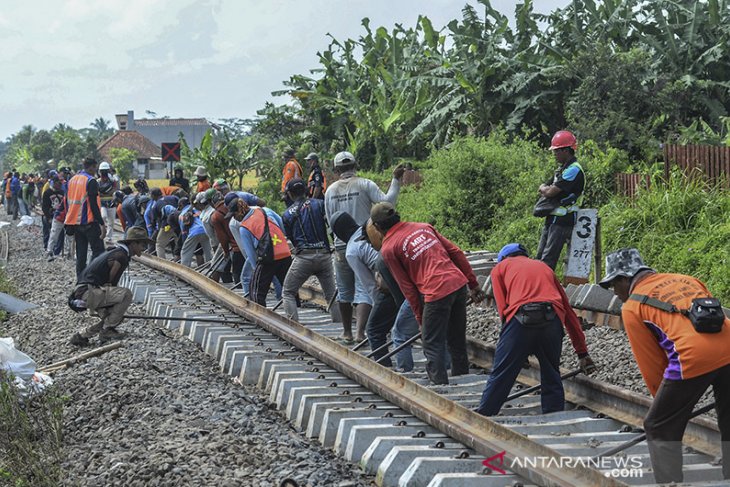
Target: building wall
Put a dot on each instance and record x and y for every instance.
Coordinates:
(159, 134)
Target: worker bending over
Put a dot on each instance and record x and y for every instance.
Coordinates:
(681, 341)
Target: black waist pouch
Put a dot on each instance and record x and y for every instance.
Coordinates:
(706, 315)
(535, 314)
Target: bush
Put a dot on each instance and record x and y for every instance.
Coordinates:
(692, 221)
(480, 192)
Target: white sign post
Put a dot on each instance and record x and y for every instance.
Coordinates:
(582, 243)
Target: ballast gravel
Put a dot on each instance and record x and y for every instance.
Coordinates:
(156, 412)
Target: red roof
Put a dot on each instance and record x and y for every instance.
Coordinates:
(129, 139)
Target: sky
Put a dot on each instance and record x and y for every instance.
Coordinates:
(72, 61)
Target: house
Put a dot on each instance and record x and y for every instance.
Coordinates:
(146, 136)
(160, 130)
(149, 155)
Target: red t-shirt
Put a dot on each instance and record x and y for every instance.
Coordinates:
(425, 263)
(521, 280)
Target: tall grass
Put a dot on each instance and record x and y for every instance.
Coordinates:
(31, 436)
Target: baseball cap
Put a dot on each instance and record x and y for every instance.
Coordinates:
(511, 249)
(381, 212)
(232, 206)
(201, 198)
(344, 158)
(624, 262)
(294, 184)
(312, 155)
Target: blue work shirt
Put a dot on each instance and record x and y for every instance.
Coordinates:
(250, 199)
(148, 218)
(305, 225)
(196, 228)
(249, 242)
(15, 185)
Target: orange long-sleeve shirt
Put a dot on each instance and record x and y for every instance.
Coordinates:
(666, 345)
(521, 280)
(292, 170)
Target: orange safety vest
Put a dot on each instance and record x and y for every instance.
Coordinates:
(255, 225)
(8, 191)
(292, 170)
(79, 211)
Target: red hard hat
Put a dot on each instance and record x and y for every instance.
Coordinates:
(563, 138)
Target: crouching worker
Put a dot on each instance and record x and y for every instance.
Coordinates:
(681, 341)
(97, 291)
(534, 309)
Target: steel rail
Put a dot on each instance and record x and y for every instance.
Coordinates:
(628, 407)
(480, 433)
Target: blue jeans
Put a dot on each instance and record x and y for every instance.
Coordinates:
(516, 343)
(404, 328)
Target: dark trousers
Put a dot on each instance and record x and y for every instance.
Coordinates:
(87, 236)
(444, 324)
(380, 322)
(16, 206)
(46, 231)
(516, 343)
(237, 261)
(264, 274)
(552, 240)
(668, 417)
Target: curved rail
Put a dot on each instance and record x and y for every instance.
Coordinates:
(473, 430)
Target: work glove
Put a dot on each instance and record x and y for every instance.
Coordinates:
(586, 365)
(399, 171)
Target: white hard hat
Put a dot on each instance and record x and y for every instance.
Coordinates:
(105, 166)
(344, 159)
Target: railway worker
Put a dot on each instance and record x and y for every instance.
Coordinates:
(226, 240)
(179, 180)
(54, 211)
(166, 233)
(202, 176)
(202, 202)
(353, 195)
(140, 185)
(361, 257)
(108, 185)
(306, 228)
(131, 210)
(15, 189)
(317, 183)
(562, 194)
(119, 199)
(250, 198)
(83, 215)
(270, 260)
(149, 214)
(222, 186)
(292, 169)
(679, 355)
(534, 310)
(96, 288)
(193, 235)
(46, 207)
(433, 274)
(391, 312)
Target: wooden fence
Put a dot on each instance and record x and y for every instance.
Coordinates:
(712, 162)
(627, 184)
(707, 161)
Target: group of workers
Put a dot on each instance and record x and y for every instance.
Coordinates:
(395, 277)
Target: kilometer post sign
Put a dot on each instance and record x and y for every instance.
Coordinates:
(582, 244)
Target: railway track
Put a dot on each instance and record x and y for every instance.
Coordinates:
(397, 426)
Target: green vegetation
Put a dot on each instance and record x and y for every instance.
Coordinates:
(31, 436)
(480, 193)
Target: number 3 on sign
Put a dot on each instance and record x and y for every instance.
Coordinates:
(581, 244)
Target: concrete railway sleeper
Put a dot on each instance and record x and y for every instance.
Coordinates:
(396, 426)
